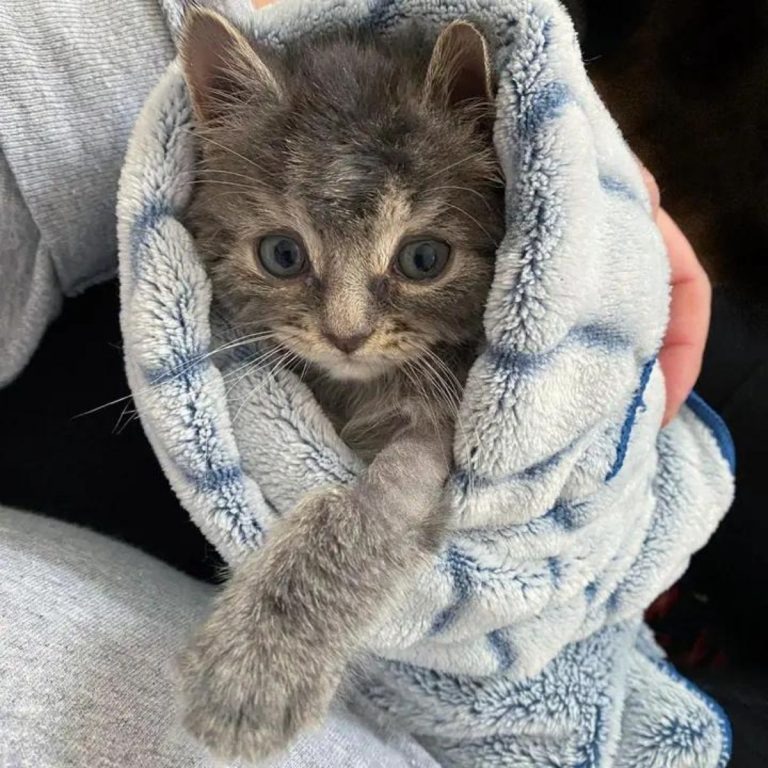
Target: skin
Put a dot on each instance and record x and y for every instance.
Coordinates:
(691, 299)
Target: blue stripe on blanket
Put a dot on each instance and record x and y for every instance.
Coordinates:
(626, 428)
(716, 425)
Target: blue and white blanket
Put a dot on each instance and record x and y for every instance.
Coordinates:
(524, 645)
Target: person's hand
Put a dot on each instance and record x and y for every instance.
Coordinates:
(683, 348)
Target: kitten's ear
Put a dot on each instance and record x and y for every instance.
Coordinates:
(221, 67)
(460, 67)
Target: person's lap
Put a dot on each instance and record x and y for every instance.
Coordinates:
(89, 628)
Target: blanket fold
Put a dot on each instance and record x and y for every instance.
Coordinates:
(523, 645)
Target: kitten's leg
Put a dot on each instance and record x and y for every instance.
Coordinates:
(270, 658)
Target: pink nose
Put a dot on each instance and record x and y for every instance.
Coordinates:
(348, 344)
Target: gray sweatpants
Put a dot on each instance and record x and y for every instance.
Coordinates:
(88, 631)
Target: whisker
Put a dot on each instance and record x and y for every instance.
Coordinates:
(304, 370)
(270, 374)
(201, 135)
(422, 391)
(116, 430)
(252, 365)
(466, 159)
(174, 373)
(472, 218)
(219, 171)
(222, 183)
(222, 195)
(471, 191)
(455, 397)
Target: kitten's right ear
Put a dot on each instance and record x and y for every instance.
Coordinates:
(221, 67)
(460, 67)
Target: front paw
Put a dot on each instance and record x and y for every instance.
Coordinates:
(249, 696)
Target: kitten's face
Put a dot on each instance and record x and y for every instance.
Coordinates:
(344, 213)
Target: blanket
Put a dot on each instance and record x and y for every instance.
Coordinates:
(571, 509)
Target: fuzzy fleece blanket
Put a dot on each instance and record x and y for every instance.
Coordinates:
(524, 645)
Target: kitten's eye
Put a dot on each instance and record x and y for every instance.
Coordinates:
(281, 256)
(422, 259)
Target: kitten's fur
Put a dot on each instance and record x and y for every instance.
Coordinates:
(353, 144)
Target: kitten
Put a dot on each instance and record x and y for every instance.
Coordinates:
(348, 207)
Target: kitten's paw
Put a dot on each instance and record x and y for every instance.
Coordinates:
(249, 700)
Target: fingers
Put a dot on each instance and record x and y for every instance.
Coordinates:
(653, 190)
(650, 184)
(690, 302)
(691, 296)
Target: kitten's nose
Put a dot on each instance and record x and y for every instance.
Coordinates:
(348, 343)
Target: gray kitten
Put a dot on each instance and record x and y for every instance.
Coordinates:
(348, 209)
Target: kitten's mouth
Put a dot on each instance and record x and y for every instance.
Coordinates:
(352, 368)
(359, 365)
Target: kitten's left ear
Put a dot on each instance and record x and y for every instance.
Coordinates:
(221, 67)
(460, 67)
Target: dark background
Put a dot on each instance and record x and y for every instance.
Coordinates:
(98, 469)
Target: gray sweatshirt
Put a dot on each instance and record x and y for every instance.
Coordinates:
(73, 77)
